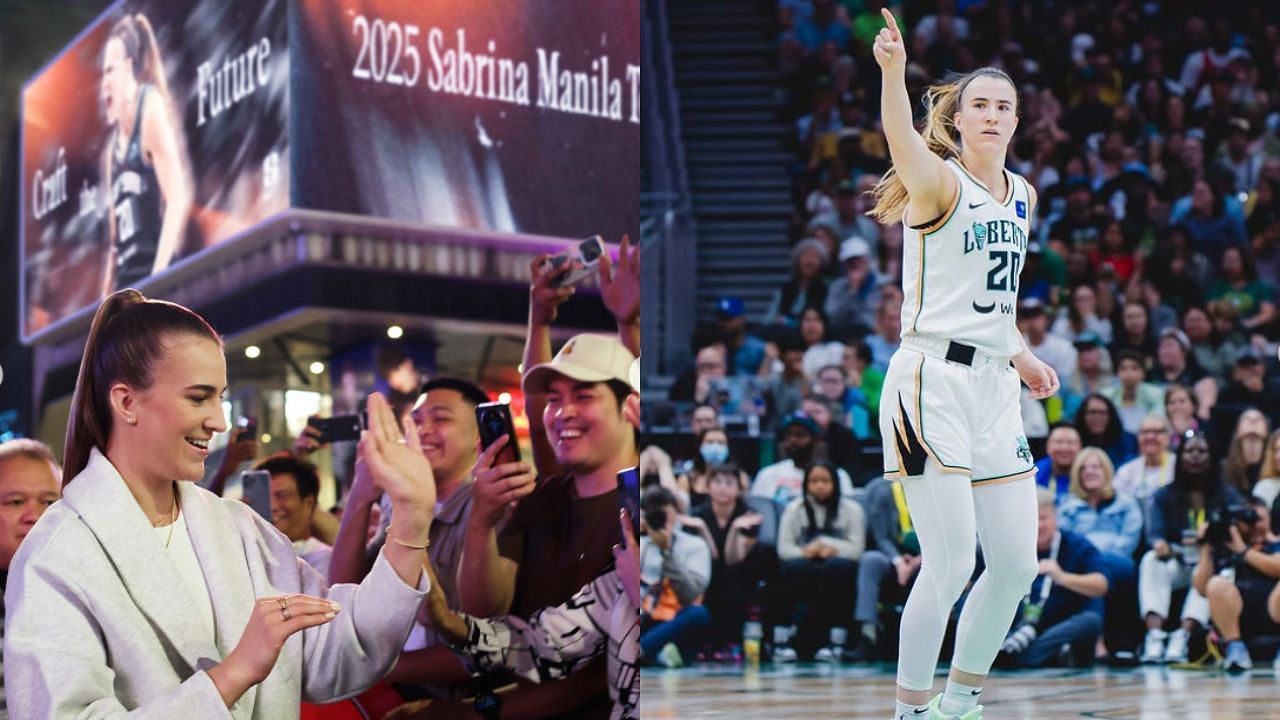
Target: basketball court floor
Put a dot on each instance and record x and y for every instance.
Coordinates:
(848, 693)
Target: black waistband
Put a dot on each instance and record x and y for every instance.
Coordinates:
(960, 353)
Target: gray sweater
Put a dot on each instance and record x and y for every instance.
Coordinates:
(100, 625)
(850, 529)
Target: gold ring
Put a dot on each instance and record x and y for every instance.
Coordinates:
(284, 611)
(284, 601)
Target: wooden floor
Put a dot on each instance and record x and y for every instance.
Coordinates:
(822, 691)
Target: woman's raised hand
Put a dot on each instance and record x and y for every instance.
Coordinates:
(889, 48)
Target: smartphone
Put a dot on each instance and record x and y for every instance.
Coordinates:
(248, 425)
(629, 495)
(339, 428)
(494, 421)
(585, 258)
(257, 491)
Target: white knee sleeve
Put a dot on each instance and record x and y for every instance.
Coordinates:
(941, 506)
(1007, 521)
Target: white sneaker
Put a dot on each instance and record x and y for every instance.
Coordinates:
(1153, 646)
(1176, 651)
(784, 654)
(829, 654)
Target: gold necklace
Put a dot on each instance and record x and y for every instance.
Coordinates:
(173, 520)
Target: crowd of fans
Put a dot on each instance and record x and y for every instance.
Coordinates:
(1151, 132)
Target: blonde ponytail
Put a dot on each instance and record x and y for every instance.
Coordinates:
(941, 102)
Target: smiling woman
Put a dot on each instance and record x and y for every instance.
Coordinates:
(127, 561)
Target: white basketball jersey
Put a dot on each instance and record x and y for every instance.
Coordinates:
(960, 274)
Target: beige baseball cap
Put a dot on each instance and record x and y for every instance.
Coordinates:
(587, 358)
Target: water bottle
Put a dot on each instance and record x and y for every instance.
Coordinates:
(753, 418)
(752, 635)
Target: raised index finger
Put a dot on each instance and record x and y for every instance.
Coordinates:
(891, 23)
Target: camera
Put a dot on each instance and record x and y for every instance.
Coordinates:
(656, 518)
(1218, 531)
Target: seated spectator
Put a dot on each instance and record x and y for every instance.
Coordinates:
(819, 350)
(746, 351)
(1133, 397)
(713, 450)
(703, 417)
(1135, 333)
(30, 481)
(1114, 259)
(1056, 352)
(1099, 426)
(783, 481)
(1177, 511)
(1111, 520)
(1142, 476)
(821, 28)
(1163, 315)
(820, 539)
(1238, 284)
(710, 365)
(884, 343)
(805, 288)
(1176, 366)
(1093, 373)
(1249, 386)
(1211, 224)
(860, 374)
(854, 411)
(1212, 351)
(1244, 457)
(675, 568)
(1268, 485)
(734, 531)
(1054, 470)
(842, 448)
(1182, 410)
(851, 299)
(1081, 314)
(788, 388)
(1058, 610)
(888, 570)
(1238, 604)
(295, 490)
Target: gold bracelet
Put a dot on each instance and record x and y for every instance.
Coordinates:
(402, 543)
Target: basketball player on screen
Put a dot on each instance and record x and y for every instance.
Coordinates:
(949, 418)
(146, 180)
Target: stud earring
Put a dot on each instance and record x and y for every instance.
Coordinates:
(131, 420)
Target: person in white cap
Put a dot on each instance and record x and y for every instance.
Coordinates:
(852, 297)
(558, 538)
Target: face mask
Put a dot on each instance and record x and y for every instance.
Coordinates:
(714, 453)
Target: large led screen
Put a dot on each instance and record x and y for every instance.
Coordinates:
(159, 132)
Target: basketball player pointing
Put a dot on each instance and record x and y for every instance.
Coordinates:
(950, 420)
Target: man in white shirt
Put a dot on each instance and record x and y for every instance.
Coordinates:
(783, 480)
(1152, 469)
(1054, 351)
(295, 490)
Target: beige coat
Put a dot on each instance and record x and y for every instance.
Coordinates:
(98, 622)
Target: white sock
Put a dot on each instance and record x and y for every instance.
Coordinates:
(905, 711)
(959, 699)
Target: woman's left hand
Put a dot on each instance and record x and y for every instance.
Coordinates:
(395, 458)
